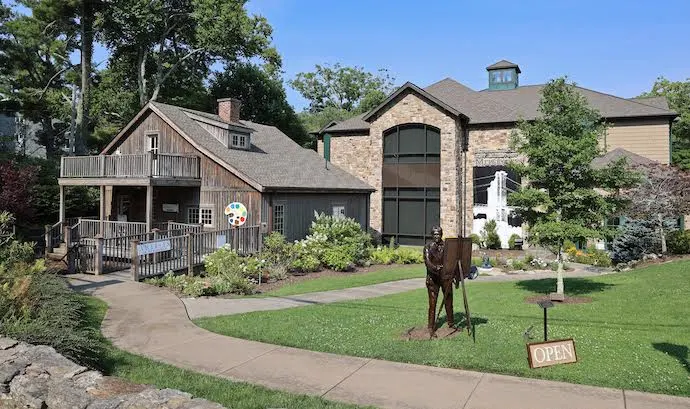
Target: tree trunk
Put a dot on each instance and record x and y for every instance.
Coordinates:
(86, 56)
(559, 271)
(662, 234)
(141, 77)
(72, 141)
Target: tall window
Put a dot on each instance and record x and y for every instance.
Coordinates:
(153, 142)
(411, 182)
(279, 218)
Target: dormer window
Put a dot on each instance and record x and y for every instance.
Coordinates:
(239, 141)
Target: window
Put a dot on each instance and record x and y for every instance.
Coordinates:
(153, 142)
(279, 218)
(202, 215)
(206, 216)
(240, 141)
(339, 211)
(193, 215)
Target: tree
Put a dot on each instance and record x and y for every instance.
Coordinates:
(663, 194)
(263, 98)
(183, 37)
(678, 96)
(565, 198)
(16, 184)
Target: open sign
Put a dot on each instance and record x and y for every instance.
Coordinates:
(541, 354)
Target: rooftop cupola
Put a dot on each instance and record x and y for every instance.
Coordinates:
(503, 75)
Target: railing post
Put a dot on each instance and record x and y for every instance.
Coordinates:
(49, 243)
(135, 260)
(67, 234)
(190, 254)
(62, 167)
(102, 159)
(99, 254)
(155, 237)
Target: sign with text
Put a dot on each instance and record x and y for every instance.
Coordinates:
(151, 247)
(171, 207)
(541, 354)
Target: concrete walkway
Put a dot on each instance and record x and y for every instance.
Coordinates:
(214, 306)
(152, 322)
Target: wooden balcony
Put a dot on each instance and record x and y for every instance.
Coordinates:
(134, 170)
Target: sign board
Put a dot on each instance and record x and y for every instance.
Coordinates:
(171, 207)
(541, 354)
(220, 240)
(151, 247)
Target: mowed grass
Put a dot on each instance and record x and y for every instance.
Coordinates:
(230, 394)
(349, 280)
(634, 335)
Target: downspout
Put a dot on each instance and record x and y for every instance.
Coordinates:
(670, 141)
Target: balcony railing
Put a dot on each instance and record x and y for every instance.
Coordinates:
(138, 165)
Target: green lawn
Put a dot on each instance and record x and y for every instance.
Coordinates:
(229, 394)
(348, 280)
(634, 335)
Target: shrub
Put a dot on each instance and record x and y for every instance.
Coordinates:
(16, 252)
(276, 249)
(330, 235)
(338, 258)
(478, 261)
(490, 236)
(678, 242)
(476, 239)
(593, 257)
(204, 286)
(305, 263)
(637, 238)
(383, 255)
(511, 240)
(407, 255)
(38, 307)
(222, 261)
(517, 265)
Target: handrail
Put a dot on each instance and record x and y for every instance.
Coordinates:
(131, 165)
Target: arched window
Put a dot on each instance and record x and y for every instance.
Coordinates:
(411, 182)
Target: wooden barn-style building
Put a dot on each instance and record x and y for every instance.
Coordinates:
(172, 164)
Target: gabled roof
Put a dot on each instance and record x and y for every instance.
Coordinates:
(633, 159)
(410, 87)
(509, 106)
(503, 64)
(274, 162)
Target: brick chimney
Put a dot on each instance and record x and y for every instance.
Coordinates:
(229, 109)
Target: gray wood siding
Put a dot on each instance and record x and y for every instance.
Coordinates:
(218, 199)
(300, 207)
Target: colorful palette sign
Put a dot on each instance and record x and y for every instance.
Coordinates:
(237, 214)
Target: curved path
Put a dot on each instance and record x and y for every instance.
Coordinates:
(152, 322)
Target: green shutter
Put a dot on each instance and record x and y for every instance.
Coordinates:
(327, 147)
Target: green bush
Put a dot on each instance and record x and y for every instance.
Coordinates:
(223, 261)
(594, 257)
(477, 261)
(276, 249)
(476, 239)
(511, 240)
(338, 258)
(678, 242)
(204, 286)
(406, 255)
(490, 236)
(383, 255)
(38, 307)
(339, 243)
(305, 263)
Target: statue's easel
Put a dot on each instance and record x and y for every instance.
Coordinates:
(458, 256)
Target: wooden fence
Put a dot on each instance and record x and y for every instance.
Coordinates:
(183, 253)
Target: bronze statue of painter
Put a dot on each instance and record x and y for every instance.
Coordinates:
(438, 278)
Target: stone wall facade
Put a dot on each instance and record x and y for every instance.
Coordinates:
(38, 377)
(407, 108)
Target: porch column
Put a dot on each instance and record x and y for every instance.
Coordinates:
(102, 212)
(149, 207)
(62, 204)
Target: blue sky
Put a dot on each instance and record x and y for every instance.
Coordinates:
(614, 46)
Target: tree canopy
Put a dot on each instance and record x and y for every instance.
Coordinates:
(678, 95)
(565, 198)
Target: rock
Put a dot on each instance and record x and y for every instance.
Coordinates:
(29, 391)
(87, 380)
(8, 372)
(46, 358)
(6, 343)
(65, 395)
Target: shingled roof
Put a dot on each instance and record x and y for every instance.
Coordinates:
(632, 159)
(503, 64)
(274, 163)
(508, 106)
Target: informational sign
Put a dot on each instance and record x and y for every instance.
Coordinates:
(220, 240)
(237, 214)
(171, 207)
(151, 247)
(541, 354)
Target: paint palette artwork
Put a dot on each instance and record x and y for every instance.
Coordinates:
(237, 214)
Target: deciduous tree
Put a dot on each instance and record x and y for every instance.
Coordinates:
(565, 198)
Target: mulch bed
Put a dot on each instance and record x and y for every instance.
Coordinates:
(422, 333)
(567, 300)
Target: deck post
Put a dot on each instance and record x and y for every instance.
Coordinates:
(99, 254)
(135, 261)
(149, 207)
(190, 254)
(102, 210)
(156, 236)
(62, 204)
(49, 245)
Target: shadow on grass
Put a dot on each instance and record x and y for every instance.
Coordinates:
(461, 320)
(572, 286)
(680, 352)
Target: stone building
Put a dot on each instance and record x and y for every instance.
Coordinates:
(432, 153)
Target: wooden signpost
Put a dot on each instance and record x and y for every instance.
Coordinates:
(541, 354)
